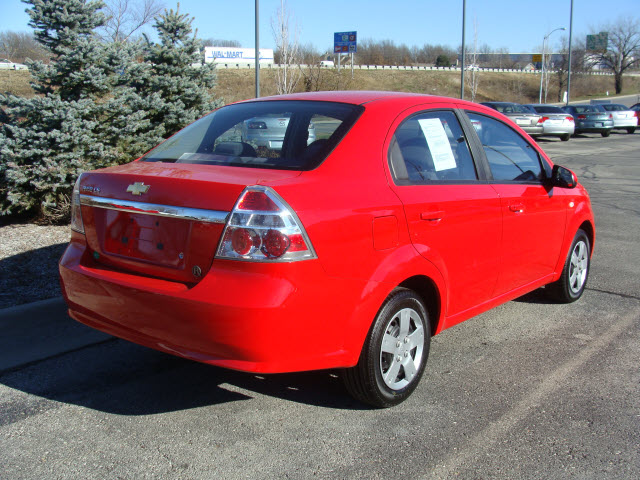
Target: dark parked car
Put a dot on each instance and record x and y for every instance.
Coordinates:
(522, 116)
(591, 119)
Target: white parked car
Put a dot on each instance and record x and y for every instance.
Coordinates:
(6, 64)
(555, 121)
(623, 117)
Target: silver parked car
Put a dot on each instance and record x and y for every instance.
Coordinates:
(555, 121)
(591, 119)
(623, 117)
(522, 116)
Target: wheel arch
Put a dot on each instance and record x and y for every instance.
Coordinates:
(405, 269)
(588, 228)
(428, 292)
(586, 224)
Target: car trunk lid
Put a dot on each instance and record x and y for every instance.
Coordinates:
(163, 220)
(525, 119)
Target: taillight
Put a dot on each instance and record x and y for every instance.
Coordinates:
(263, 228)
(543, 119)
(582, 117)
(257, 126)
(569, 119)
(611, 115)
(76, 214)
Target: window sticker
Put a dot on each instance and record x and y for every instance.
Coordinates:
(438, 142)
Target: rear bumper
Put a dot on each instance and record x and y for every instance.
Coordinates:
(558, 129)
(625, 123)
(594, 127)
(537, 130)
(263, 318)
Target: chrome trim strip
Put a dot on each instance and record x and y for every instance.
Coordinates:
(196, 214)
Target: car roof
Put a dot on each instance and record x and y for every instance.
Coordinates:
(361, 97)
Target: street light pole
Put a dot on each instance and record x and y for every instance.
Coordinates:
(544, 41)
(464, 9)
(257, 52)
(569, 66)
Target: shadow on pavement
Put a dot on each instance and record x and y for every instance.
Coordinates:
(30, 276)
(122, 378)
(538, 297)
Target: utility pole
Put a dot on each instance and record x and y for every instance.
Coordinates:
(257, 52)
(464, 8)
(569, 68)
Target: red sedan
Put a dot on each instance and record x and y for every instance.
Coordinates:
(406, 215)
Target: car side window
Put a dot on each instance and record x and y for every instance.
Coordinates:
(430, 147)
(510, 156)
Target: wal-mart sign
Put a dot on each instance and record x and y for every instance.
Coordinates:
(236, 55)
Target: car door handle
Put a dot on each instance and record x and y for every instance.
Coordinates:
(516, 207)
(434, 216)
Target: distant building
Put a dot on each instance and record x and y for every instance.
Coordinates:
(593, 62)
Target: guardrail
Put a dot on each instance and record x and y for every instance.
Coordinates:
(269, 66)
(397, 67)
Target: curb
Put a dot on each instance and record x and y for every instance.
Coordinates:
(39, 330)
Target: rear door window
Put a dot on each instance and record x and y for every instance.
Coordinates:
(429, 147)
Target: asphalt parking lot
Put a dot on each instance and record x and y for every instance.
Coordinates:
(528, 390)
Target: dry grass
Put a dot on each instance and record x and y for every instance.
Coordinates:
(235, 85)
(16, 82)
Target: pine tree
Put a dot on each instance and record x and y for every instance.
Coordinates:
(48, 140)
(178, 83)
(97, 105)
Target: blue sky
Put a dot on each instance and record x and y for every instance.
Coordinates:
(518, 25)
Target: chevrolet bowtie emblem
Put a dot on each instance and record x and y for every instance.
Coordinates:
(138, 188)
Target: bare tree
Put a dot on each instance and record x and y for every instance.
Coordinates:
(20, 46)
(214, 42)
(128, 17)
(623, 50)
(562, 64)
(285, 35)
(473, 75)
(548, 64)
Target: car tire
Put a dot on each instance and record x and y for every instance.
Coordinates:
(631, 129)
(606, 134)
(571, 284)
(394, 354)
(565, 138)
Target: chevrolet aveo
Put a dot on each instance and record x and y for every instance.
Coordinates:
(406, 215)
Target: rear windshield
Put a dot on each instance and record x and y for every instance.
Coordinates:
(291, 135)
(613, 107)
(588, 109)
(508, 108)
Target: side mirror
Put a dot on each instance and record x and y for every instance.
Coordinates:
(563, 177)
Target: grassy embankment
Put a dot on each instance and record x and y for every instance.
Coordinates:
(234, 85)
